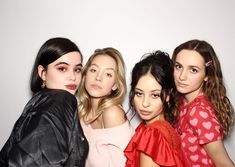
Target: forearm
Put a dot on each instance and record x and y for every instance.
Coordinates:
(218, 154)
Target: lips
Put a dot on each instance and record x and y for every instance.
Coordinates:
(71, 86)
(179, 84)
(95, 86)
(144, 112)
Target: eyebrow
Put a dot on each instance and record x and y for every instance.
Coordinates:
(80, 64)
(105, 68)
(150, 91)
(191, 66)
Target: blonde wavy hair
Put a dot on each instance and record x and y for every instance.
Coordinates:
(115, 98)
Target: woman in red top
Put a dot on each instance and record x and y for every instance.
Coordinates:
(204, 111)
(155, 142)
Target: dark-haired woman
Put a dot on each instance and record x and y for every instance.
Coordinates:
(48, 132)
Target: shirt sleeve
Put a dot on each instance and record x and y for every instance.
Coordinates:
(203, 121)
(151, 142)
(108, 150)
(45, 135)
(118, 140)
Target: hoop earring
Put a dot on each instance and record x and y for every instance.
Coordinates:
(43, 84)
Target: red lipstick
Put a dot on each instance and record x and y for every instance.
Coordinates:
(71, 86)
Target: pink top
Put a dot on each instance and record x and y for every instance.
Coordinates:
(198, 125)
(106, 146)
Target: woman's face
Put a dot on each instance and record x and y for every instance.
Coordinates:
(101, 76)
(189, 73)
(64, 73)
(147, 101)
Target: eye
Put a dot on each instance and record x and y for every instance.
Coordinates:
(92, 70)
(155, 95)
(194, 70)
(178, 66)
(78, 70)
(109, 75)
(62, 69)
(138, 94)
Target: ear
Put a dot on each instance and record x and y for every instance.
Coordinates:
(41, 72)
(206, 79)
(167, 98)
(114, 87)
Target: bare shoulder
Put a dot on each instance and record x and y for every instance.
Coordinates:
(113, 116)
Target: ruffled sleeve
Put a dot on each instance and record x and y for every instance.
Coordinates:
(152, 142)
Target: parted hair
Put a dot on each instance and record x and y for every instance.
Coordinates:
(50, 51)
(116, 97)
(160, 66)
(214, 88)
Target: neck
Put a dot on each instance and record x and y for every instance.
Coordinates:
(94, 105)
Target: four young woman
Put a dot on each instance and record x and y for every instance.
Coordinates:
(190, 96)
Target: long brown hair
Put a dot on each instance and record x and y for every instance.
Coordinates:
(213, 88)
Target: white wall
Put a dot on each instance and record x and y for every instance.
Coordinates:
(132, 26)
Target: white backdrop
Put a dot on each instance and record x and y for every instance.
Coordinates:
(134, 27)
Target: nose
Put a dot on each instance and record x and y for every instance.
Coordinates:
(145, 102)
(183, 75)
(72, 75)
(98, 76)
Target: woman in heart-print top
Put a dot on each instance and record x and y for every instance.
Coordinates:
(205, 114)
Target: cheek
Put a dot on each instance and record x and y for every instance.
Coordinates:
(54, 82)
(88, 79)
(175, 77)
(53, 78)
(137, 102)
(54, 74)
(86, 83)
(158, 106)
(79, 78)
(175, 74)
(89, 75)
(198, 80)
(109, 83)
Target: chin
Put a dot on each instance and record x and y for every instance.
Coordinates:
(71, 91)
(181, 90)
(144, 118)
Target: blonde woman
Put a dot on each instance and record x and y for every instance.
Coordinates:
(102, 117)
